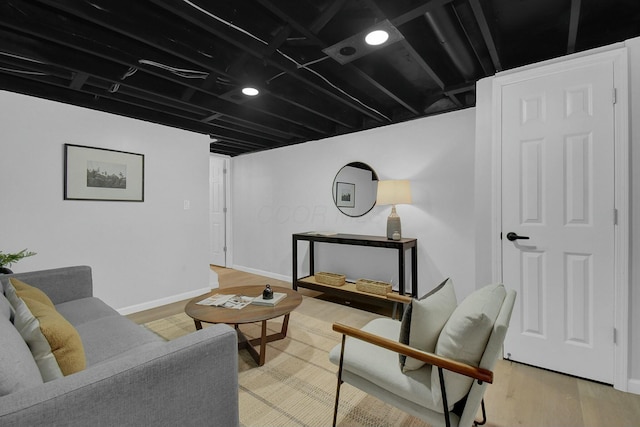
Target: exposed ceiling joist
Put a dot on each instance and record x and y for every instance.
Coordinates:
(184, 63)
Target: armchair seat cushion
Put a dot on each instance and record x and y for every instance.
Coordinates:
(380, 366)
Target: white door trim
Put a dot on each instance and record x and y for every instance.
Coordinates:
(618, 57)
(227, 203)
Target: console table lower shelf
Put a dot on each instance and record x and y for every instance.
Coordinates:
(348, 291)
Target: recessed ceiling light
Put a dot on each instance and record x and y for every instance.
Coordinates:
(375, 38)
(250, 91)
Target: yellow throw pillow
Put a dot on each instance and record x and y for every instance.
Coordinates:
(55, 344)
(24, 290)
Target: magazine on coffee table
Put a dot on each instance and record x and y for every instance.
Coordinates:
(277, 297)
(227, 301)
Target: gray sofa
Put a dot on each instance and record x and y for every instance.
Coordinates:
(132, 376)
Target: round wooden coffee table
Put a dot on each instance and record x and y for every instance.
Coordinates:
(249, 314)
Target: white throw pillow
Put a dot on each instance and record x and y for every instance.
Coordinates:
(464, 339)
(424, 319)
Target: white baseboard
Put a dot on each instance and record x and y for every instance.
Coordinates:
(162, 301)
(633, 386)
(263, 273)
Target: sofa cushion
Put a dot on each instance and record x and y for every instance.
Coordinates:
(464, 338)
(424, 319)
(84, 310)
(18, 370)
(54, 343)
(110, 336)
(25, 290)
(5, 307)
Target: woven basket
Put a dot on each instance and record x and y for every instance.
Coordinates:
(373, 286)
(333, 279)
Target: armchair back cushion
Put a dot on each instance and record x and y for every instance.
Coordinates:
(464, 338)
(423, 321)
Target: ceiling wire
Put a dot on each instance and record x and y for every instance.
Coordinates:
(302, 66)
(31, 73)
(24, 58)
(298, 65)
(182, 72)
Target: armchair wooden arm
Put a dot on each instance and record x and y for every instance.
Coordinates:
(474, 372)
(405, 299)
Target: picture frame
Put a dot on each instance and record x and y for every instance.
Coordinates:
(92, 173)
(345, 195)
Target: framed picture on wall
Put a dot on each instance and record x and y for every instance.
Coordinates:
(345, 195)
(100, 174)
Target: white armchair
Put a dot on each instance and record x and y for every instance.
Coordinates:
(444, 379)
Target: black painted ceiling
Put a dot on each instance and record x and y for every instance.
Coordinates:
(183, 63)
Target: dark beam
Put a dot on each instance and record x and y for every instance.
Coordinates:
(78, 80)
(574, 21)
(52, 32)
(301, 28)
(418, 12)
(256, 49)
(132, 30)
(327, 15)
(422, 63)
(486, 33)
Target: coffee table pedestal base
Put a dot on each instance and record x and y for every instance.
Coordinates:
(249, 344)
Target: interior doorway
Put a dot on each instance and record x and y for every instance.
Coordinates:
(561, 152)
(218, 209)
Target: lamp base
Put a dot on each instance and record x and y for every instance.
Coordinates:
(394, 228)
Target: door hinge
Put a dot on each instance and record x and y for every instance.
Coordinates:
(224, 249)
(501, 235)
(224, 210)
(615, 216)
(615, 95)
(615, 336)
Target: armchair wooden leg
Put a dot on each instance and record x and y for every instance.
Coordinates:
(335, 409)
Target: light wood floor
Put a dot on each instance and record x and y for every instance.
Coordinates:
(520, 395)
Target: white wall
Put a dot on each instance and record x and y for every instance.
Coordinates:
(142, 254)
(280, 192)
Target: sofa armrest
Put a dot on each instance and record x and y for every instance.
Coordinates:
(60, 284)
(192, 380)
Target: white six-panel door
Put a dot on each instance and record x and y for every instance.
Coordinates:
(217, 210)
(558, 189)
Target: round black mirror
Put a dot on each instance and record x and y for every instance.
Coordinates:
(354, 189)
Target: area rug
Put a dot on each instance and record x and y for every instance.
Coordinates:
(297, 384)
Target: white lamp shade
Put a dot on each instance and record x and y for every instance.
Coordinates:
(394, 192)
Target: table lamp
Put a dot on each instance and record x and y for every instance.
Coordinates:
(393, 192)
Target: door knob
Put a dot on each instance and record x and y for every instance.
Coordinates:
(513, 236)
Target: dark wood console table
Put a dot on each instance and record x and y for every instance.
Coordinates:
(349, 291)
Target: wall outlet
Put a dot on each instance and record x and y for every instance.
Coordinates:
(187, 205)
